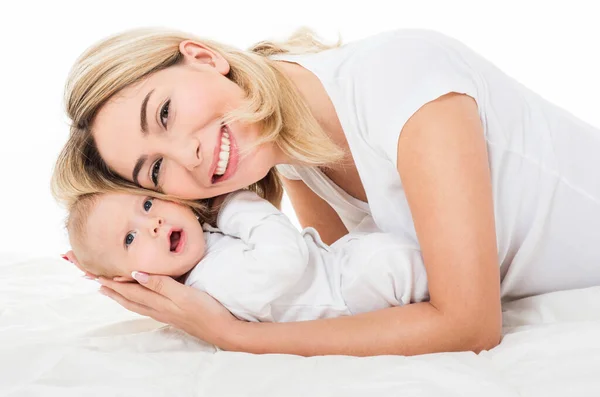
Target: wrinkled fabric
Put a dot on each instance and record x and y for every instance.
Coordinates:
(59, 337)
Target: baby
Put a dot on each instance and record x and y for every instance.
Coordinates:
(256, 263)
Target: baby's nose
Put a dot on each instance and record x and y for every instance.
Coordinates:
(156, 225)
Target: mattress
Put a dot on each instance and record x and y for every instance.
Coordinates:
(59, 337)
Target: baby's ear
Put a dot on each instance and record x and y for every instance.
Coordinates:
(70, 256)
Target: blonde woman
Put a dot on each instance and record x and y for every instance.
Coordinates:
(499, 188)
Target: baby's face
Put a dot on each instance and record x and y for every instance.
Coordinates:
(144, 234)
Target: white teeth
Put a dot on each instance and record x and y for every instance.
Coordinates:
(223, 154)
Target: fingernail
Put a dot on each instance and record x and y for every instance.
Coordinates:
(101, 292)
(65, 257)
(140, 277)
(88, 277)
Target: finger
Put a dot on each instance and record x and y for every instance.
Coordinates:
(162, 285)
(122, 279)
(127, 304)
(137, 293)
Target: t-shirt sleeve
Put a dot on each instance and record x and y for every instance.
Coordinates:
(288, 171)
(399, 75)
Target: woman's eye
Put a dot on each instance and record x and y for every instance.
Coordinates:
(156, 172)
(147, 205)
(164, 113)
(129, 239)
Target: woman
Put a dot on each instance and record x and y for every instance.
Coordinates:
(409, 127)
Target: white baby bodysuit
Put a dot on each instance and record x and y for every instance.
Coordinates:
(261, 268)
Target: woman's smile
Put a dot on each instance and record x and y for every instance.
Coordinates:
(226, 157)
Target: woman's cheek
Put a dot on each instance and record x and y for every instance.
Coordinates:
(185, 186)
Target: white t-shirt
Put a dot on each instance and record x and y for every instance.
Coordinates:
(545, 163)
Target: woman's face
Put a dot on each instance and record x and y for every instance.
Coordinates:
(165, 132)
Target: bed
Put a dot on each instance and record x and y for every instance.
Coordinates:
(59, 337)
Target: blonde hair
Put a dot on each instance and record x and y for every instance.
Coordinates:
(77, 227)
(124, 59)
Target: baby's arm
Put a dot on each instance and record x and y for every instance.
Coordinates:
(272, 260)
(265, 229)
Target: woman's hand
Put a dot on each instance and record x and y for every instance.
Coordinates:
(170, 302)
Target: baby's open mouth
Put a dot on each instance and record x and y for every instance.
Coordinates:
(176, 240)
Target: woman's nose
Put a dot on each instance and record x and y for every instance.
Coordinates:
(188, 154)
(155, 225)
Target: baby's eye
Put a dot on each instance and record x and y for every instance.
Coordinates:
(129, 239)
(147, 205)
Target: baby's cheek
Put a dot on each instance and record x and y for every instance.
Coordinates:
(150, 261)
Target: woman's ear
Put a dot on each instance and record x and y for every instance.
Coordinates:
(195, 53)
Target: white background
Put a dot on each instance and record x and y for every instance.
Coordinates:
(551, 47)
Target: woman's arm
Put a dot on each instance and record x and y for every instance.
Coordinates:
(313, 211)
(442, 159)
(443, 163)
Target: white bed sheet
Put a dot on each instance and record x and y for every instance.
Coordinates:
(58, 337)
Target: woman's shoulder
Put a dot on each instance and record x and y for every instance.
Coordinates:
(411, 45)
(403, 35)
(398, 61)
(390, 76)
(402, 40)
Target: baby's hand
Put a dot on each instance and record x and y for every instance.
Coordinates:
(217, 201)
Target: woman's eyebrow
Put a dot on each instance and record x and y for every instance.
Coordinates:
(143, 112)
(136, 169)
(144, 127)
